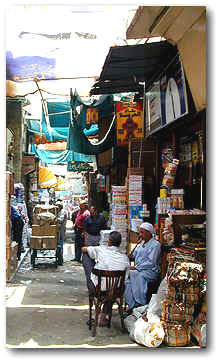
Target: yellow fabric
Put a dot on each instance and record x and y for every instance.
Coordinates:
(46, 178)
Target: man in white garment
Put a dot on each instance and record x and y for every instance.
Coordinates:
(107, 258)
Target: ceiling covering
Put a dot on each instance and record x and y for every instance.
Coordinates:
(127, 66)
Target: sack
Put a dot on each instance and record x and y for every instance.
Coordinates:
(46, 218)
(199, 329)
(148, 334)
(176, 334)
(176, 312)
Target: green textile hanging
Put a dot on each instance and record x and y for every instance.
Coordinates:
(77, 141)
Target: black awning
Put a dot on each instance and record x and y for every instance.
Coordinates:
(127, 66)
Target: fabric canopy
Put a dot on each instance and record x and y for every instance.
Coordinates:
(127, 66)
(57, 157)
(46, 178)
(55, 134)
(77, 141)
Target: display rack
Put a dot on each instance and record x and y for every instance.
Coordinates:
(185, 220)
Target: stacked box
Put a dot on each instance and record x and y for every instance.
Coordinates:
(135, 190)
(45, 230)
(119, 214)
(43, 242)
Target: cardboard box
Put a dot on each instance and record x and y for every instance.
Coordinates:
(46, 242)
(45, 230)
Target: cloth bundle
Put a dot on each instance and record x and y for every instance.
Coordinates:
(176, 312)
(176, 334)
(181, 293)
(187, 272)
(183, 278)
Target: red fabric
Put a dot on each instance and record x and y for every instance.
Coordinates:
(79, 222)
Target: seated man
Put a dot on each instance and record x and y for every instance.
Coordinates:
(146, 257)
(107, 258)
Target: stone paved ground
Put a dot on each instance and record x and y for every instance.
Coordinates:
(47, 307)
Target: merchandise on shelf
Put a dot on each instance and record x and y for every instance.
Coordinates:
(119, 214)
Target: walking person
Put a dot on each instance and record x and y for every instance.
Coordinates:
(79, 229)
(93, 224)
(62, 219)
(17, 225)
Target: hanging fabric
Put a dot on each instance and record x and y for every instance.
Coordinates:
(77, 141)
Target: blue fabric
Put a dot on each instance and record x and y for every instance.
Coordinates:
(58, 119)
(147, 266)
(14, 212)
(54, 134)
(93, 130)
(60, 156)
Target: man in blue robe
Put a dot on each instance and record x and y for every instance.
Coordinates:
(146, 268)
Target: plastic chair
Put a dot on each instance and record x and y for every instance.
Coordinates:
(115, 286)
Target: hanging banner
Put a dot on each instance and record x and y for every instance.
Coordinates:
(129, 122)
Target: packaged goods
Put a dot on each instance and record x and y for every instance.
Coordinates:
(176, 334)
(170, 173)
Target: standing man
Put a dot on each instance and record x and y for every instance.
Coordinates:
(62, 219)
(79, 229)
(93, 224)
(17, 224)
(146, 268)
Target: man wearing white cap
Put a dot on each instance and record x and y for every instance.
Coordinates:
(147, 268)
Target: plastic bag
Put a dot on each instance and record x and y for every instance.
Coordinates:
(148, 334)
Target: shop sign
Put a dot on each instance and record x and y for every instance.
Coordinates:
(79, 167)
(130, 124)
(28, 164)
(167, 99)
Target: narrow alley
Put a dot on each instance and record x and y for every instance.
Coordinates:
(50, 306)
